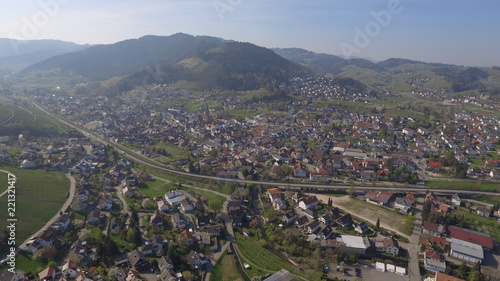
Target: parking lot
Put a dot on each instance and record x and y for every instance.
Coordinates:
(368, 272)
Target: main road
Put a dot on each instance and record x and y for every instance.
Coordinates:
(153, 164)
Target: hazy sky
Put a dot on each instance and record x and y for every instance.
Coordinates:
(448, 31)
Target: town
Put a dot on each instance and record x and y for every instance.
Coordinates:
(130, 221)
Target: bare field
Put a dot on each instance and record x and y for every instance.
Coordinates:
(389, 220)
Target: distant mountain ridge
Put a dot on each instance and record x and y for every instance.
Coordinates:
(396, 74)
(16, 55)
(207, 63)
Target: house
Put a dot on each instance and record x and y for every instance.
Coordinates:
(299, 172)
(325, 233)
(69, 270)
(85, 276)
(310, 213)
(466, 251)
(174, 197)
(163, 206)
(105, 202)
(482, 211)
(234, 206)
(156, 219)
(128, 191)
(495, 174)
(214, 230)
(289, 217)
(355, 244)
(196, 260)
(133, 275)
(433, 261)
(470, 236)
(62, 222)
(430, 241)
(163, 264)
(434, 229)
(403, 204)
(186, 238)
(455, 199)
(186, 205)
(296, 197)
(274, 193)
(445, 277)
(282, 275)
(46, 239)
(319, 177)
(47, 274)
(308, 202)
(381, 198)
(361, 228)
(345, 221)
(389, 245)
(94, 217)
(137, 260)
(335, 213)
(312, 226)
(404, 162)
(203, 220)
(178, 220)
(153, 245)
(167, 275)
(26, 164)
(326, 219)
(237, 221)
(302, 221)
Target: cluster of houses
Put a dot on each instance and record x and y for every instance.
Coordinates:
(461, 244)
(54, 155)
(326, 229)
(143, 123)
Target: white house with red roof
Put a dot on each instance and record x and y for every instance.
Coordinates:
(308, 202)
(381, 198)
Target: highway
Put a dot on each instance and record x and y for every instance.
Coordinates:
(308, 186)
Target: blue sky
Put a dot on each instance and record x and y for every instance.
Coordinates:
(447, 31)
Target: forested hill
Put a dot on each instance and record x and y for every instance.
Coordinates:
(207, 62)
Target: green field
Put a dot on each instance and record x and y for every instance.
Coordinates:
(156, 188)
(39, 196)
(464, 185)
(225, 269)
(5, 113)
(27, 115)
(263, 260)
(407, 227)
(490, 199)
(479, 223)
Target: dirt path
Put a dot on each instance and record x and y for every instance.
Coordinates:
(368, 215)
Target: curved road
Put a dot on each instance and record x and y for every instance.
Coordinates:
(153, 164)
